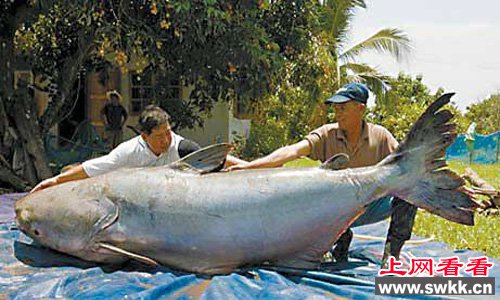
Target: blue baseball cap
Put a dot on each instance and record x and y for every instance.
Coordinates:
(350, 92)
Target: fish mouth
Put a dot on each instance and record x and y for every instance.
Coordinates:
(19, 225)
(24, 221)
(26, 228)
(20, 220)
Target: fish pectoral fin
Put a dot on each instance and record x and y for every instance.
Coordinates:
(205, 160)
(143, 259)
(106, 220)
(336, 162)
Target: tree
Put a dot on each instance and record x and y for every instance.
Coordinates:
(288, 113)
(48, 37)
(18, 118)
(404, 103)
(336, 19)
(220, 48)
(486, 114)
(213, 46)
(316, 72)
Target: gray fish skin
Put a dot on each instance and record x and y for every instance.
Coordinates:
(217, 222)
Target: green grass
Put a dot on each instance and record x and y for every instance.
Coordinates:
(302, 163)
(483, 236)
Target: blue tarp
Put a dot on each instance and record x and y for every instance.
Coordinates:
(28, 271)
(486, 149)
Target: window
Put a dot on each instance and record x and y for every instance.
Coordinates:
(142, 92)
(172, 90)
(22, 75)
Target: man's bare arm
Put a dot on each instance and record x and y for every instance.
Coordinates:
(75, 173)
(232, 160)
(277, 158)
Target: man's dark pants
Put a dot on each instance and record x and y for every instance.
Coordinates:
(114, 137)
(402, 218)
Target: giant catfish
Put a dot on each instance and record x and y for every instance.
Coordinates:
(187, 218)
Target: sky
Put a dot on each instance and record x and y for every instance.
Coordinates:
(456, 44)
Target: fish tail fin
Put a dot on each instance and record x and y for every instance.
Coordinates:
(422, 178)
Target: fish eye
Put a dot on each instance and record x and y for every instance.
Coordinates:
(36, 232)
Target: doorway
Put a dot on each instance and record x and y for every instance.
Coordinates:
(75, 114)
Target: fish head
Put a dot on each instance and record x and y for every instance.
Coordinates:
(64, 218)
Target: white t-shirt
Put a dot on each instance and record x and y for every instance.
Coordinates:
(130, 154)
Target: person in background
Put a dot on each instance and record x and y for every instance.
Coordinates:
(114, 116)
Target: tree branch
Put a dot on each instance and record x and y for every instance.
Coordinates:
(66, 78)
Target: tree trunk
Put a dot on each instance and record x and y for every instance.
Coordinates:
(65, 81)
(17, 106)
(477, 181)
(9, 177)
(482, 187)
(25, 118)
(3, 125)
(6, 82)
(20, 106)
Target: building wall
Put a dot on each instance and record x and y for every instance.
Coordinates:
(41, 98)
(238, 128)
(215, 129)
(132, 120)
(96, 96)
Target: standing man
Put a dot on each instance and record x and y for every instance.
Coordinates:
(114, 116)
(366, 144)
(157, 145)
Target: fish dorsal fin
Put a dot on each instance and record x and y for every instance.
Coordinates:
(336, 162)
(143, 259)
(204, 160)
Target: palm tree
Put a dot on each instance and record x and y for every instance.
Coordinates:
(335, 22)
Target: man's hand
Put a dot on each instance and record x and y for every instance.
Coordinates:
(240, 166)
(75, 172)
(45, 184)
